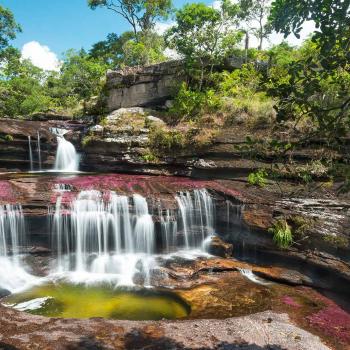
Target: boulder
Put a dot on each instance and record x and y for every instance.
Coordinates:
(154, 120)
(4, 293)
(216, 246)
(143, 86)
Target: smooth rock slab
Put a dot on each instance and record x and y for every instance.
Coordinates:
(266, 330)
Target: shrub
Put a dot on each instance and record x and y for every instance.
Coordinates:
(189, 104)
(282, 233)
(8, 138)
(258, 178)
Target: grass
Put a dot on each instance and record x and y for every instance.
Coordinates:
(282, 233)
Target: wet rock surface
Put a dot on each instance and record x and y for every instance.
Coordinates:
(266, 330)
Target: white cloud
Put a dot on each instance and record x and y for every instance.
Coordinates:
(161, 27)
(41, 56)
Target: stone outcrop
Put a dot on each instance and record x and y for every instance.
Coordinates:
(143, 86)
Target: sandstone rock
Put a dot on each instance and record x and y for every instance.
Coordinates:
(120, 112)
(154, 120)
(96, 128)
(216, 246)
(169, 103)
(202, 164)
(143, 86)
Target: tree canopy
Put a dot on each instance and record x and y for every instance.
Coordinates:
(140, 14)
(8, 27)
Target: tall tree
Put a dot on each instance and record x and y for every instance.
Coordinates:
(140, 14)
(110, 51)
(256, 13)
(318, 83)
(8, 27)
(204, 34)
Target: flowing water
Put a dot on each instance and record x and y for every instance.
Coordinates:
(30, 153)
(104, 241)
(39, 150)
(67, 159)
(105, 236)
(13, 276)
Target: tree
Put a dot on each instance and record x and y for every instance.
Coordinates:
(148, 49)
(80, 77)
(110, 51)
(317, 83)
(8, 27)
(22, 91)
(140, 14)
(204, 35)
(255, 13)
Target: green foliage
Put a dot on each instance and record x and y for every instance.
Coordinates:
(316, 85)
(148, 49)
(255, 13)
(204, 35)
(336, 241)
(244, 82)
(165, 141)
(8, 27)
(8, 138)
(282, 233)
(140, 14)
(110, 51)
(258, 178)
(189, 104)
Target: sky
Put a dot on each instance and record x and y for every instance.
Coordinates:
(51, 27)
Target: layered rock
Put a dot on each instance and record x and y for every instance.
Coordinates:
(143, 86)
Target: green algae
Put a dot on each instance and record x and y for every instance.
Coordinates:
(78, 301)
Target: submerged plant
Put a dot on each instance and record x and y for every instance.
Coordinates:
(282, 233)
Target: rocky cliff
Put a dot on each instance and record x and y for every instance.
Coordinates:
(143, 86)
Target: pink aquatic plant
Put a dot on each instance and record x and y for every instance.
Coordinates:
(6, 192)
(290, 301)
(332, 320)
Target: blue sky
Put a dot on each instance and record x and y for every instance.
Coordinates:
(51, 27)
(64, 24)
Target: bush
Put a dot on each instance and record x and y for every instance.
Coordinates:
(189, 104)
(8, 138)
(258, 178)
(282, 233)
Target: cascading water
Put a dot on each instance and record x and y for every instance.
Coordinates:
(67, 159)
(106, 236)
(197, 216)
(12, 231)
(39, 150)
(30, 153)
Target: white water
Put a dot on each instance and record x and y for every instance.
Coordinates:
(109, 237)
(13, 276)
(67, 159)
(30, 153)
(112, 237)
(39, 150)
(252, 277)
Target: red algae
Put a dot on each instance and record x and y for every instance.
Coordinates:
(6, 192)
(331, 319)
(290, 301)
(144, 184)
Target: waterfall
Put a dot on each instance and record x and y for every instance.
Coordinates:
(39, 150)
(67, 158)
(30, 153)
(197, 216)
(11, 229)
(12, 233)
(101, 236)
